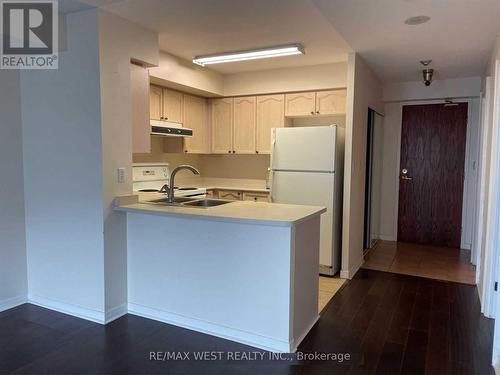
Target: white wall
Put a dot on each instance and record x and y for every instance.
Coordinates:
(471, 175)
(495, 55)
(76, 133)
(377, 165)
(439, 89)
(120, 41)
(183, 75)
(63, 175)
(390, 172)
(178, 73)
(491, 225)
(479, 233)
(313, 77)
(364, 91)
(13, 279)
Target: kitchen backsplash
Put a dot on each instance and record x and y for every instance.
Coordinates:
(219, 166)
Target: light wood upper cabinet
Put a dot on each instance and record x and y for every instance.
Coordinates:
(155, 102)
(195, 117)
(323, 103)
(330, 102)
(244, 125)
(300, 104)
(165, 104)
(240, 124)
(141, 128)
(172, 106)
(270, 114)
(222, 125)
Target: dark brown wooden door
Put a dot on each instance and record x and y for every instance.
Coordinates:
(431, 174)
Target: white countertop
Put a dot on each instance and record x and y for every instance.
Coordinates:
(238, 211)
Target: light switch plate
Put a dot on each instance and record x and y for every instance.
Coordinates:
(121, 175)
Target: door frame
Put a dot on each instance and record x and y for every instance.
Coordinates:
(367, 227)
(470, 157)
(492, 241)
(479, 235)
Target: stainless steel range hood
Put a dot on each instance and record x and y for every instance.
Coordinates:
(169, 129)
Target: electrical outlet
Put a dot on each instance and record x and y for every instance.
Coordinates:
(121, 175)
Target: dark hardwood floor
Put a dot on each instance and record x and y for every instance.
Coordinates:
(387, 323)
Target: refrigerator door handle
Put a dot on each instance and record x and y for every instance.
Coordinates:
(271, 185)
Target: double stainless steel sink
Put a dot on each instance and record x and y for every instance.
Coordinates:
(190, 202)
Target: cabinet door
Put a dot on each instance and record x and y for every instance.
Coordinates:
(230, 195)
(256, 197)
(155, 102)
(330, 102)
(172, 105)
(300, 104)
(195, 117)
(270, 114)
(222, 125)
(244, 125)
(141, 127)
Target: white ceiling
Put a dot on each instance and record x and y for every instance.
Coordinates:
(196, 27)
(459, 37)
(72, 6)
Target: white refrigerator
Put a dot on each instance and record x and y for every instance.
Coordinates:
(307, 165)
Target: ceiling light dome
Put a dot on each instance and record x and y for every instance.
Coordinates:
(417, 20)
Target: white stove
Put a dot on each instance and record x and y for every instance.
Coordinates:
(152, 178)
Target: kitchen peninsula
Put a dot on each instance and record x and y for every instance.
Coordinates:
(245, 271)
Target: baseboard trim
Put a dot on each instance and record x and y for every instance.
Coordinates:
(243, 337)
(66, 308)
(115, 313)
(387, 238)
(349, 274)
(344, 274)
(326, 270)
(10, 303)
(294, 345)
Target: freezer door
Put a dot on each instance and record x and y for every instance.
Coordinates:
(304, 149)
(315, 189)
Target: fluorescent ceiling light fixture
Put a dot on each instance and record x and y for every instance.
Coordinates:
(260, 53)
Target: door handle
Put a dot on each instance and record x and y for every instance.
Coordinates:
(404, 173)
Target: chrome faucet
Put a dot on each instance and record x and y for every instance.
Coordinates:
(170, 198)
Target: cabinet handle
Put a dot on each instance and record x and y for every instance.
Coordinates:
(317, 112)
(234, 152)
(161, 118)
(185, 150)
(256, 151)
(312, 112)
(166, 118)
(229, 152)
